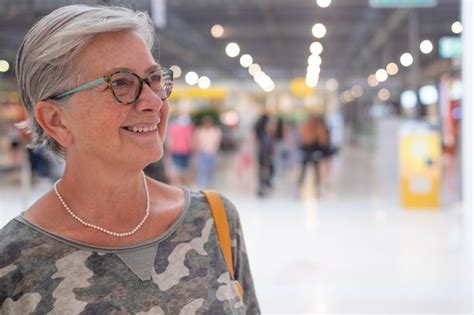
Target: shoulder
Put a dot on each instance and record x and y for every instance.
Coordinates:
(13, 234)
(231, 209)
(200, 203)
(18, 239)
(232, 215)
(25, 249)
(30, 264)
(166, 195)
(195, 203)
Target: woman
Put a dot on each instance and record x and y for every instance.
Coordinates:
(207, 141)
(180, 135)
(108, 239)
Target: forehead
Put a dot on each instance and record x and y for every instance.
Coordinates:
(112, 50)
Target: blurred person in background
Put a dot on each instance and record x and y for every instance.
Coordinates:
(12, 152)
(290, 148)
(39, 163)
(179, 143)
(157, 170)
(315, 145)
(207, 140)
(16, 144)
(14, 139)
(279, 146)
(265, 133)
(108, 239)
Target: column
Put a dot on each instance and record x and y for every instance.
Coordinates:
(468, 120)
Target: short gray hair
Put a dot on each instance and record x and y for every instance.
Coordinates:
(45, 63)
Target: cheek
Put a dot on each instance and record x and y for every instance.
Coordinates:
(117, 115)
(102, 123)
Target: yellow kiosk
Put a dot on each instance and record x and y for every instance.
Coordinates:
(420, 166)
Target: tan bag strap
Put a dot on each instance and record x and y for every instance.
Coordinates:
(222, 228)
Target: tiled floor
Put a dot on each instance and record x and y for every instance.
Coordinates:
(351, 250)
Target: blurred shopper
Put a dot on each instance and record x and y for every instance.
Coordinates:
(265, 129)
(16, 147)
(180, 136)
(315, 146)
(245, 166)
(11, 113)
(207, 140)
(108, 239)
(156, 170)
(14, 137)
(291, 143)
(279, 155)
(39, 163)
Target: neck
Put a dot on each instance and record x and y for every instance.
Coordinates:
(106, 196)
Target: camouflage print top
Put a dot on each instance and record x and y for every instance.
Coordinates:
(183, 271)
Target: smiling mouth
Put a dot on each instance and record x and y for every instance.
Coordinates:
(141, 129)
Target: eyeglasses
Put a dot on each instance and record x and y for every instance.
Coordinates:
(127, 86)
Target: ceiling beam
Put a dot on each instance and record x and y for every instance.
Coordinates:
(191, 45)
(271, 26)
(380, 37)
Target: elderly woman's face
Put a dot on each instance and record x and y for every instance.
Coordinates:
(101, 127)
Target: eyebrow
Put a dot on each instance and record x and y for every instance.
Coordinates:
(147, 71)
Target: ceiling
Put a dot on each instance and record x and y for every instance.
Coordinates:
(277, 34)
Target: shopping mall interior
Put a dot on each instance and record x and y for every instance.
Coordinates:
(374, 219)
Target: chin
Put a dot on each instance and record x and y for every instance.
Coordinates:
(158, 157)
(139, 159)
(154, 156)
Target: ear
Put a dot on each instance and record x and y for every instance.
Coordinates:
(51, 118)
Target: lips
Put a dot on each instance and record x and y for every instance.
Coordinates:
(143, 126)
(139, 129)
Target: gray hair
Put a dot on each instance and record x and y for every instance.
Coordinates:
(45, 63)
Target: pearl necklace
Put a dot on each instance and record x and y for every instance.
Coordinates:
(101, 229)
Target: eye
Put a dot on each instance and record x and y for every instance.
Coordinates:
(155, 77)
(122, 81)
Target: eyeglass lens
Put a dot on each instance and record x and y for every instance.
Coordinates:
(127, 87)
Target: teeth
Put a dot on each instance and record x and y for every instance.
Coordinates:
(142, 129)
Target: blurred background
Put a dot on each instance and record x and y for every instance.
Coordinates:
(340, 130)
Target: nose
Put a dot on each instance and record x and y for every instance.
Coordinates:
(148, 101)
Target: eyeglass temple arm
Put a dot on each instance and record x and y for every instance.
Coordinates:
(80, 88)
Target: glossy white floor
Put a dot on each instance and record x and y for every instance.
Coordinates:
(352, 250)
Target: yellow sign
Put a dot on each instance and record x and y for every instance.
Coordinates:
(299, 88)
(420, 170)
(210, 93)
